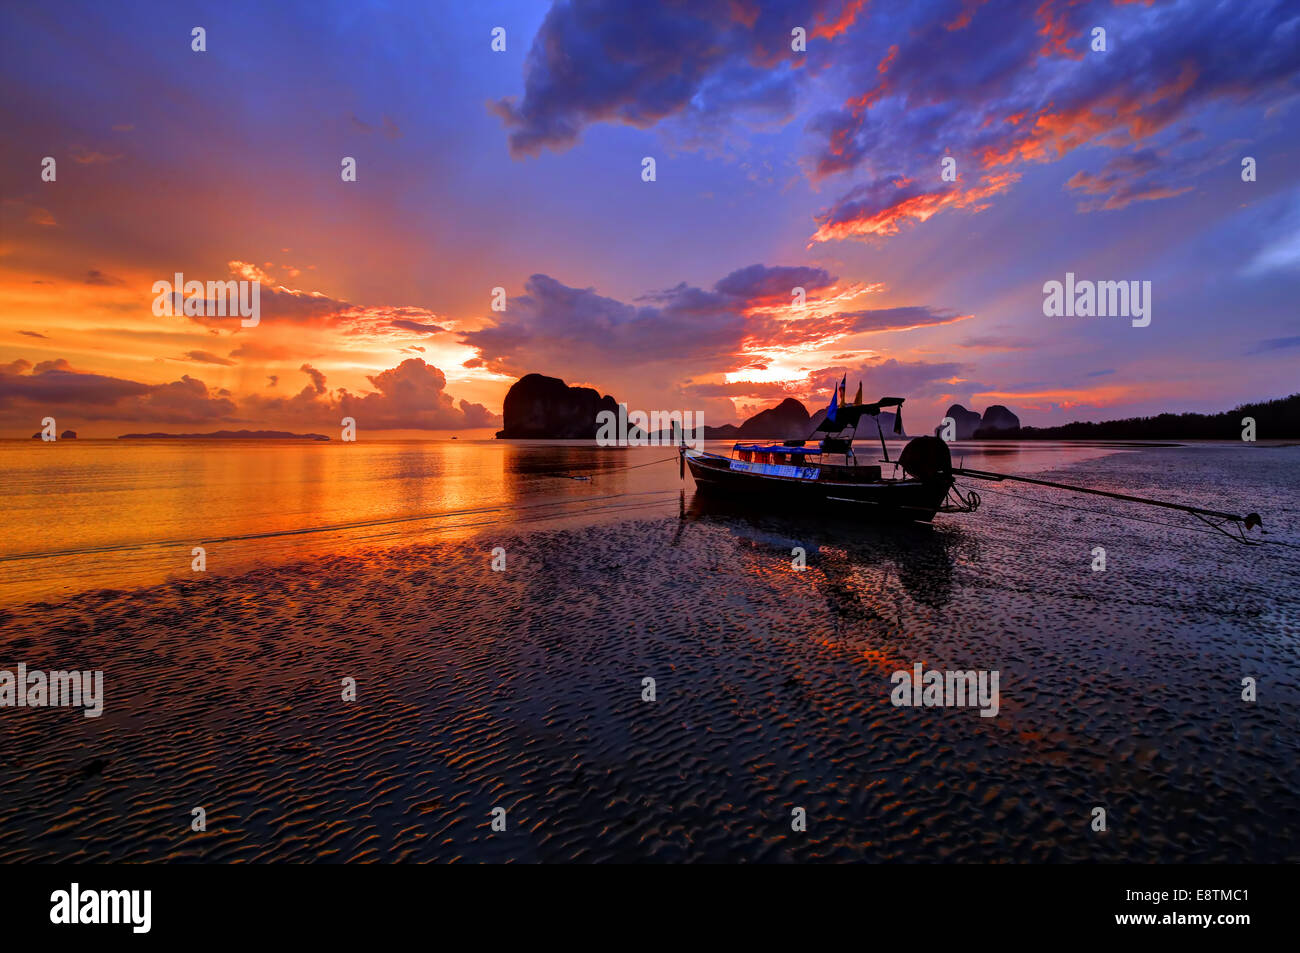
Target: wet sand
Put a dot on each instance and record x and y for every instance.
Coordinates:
(523, 690)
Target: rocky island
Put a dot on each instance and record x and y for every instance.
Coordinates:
(995, 421)
(546, 408)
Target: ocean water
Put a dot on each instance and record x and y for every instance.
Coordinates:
(524, 689)
(91, 514)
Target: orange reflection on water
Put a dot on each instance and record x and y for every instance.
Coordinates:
(117, 514)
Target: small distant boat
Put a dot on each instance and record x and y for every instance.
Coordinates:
(828, 476)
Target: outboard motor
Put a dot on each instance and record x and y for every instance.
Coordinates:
(926, 458)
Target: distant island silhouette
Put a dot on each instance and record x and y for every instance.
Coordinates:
(546, 408)
(66, 435)
(1274, 420)
(227, 435)
(538, 407)
(970, 424)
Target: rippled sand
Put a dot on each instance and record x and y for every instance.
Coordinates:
(522, 690)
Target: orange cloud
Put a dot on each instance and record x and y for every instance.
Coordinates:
(863, 219)
(1056, 31)
(1102, 395)
(848, 15)
(1053, 134)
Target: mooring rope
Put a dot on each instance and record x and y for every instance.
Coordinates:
(1138, 519)
(597, 469)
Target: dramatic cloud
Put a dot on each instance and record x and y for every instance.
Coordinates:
(1015, 90)
(55, 384)
(410, 396)
(793, 331)
(277, 305)
(895, 319)
(880, 377)
(572, 329)
(569, 331)
(317, 378)
(768, 390)
(879, 208)
(418, 327)
(181, 402)
(1147, 174)
(296, 308)
(996, 84)
(590, 62)
(759, 284)
(749, 328)
(1109, 164)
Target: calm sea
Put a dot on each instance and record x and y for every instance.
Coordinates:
(89, 514)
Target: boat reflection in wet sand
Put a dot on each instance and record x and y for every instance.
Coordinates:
(828, 475)
(920, 556)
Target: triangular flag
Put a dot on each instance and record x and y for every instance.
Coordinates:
(858, 399)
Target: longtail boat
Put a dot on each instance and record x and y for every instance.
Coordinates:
(797, 477)
(828, 475)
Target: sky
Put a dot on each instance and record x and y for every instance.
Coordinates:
(775, 168)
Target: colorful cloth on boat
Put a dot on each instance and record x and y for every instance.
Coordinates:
(777, 469)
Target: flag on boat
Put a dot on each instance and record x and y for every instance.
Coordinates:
(834, 406)
(843, 382)
(858, 399)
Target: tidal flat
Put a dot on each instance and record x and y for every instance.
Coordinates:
(524, 690)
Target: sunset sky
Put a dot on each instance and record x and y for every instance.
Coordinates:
(523, 169)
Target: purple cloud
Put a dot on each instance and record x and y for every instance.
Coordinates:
(590, 62)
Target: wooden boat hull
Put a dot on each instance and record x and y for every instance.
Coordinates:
(875, 500)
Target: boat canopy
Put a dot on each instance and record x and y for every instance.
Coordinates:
(777, 448)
